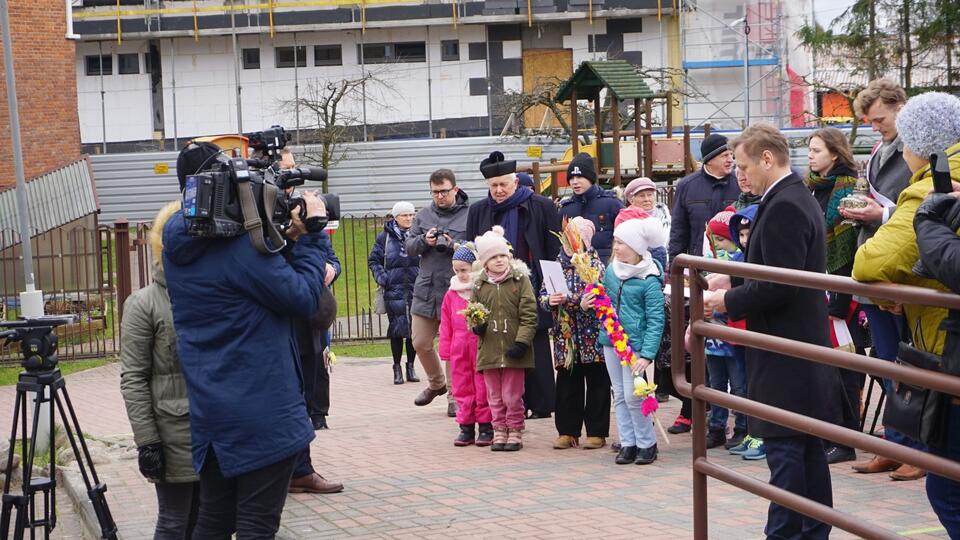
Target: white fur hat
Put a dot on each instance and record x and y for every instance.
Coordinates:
(490, 244)
(641, 235)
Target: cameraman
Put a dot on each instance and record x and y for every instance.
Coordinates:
(232, 312)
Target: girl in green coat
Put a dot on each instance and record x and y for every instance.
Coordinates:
(503, 287)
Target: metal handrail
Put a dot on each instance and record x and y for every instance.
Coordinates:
(701, 394)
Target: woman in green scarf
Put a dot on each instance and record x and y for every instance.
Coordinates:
(832, 177)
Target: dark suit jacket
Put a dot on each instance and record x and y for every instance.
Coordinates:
(788, 232)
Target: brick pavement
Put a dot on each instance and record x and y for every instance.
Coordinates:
(405, 479)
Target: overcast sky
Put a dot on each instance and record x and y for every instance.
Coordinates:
(827, 10)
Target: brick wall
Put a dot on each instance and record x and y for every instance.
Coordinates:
(46, 87)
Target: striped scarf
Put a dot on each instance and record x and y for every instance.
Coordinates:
(841, 237)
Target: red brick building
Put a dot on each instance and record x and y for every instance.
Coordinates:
(45, 64)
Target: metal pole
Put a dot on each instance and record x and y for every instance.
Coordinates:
(486, 31)
(236, 65)
(103, 107)
(746, 69)
(363, 86)
(429, 89)
(296, 85)
(173, 90)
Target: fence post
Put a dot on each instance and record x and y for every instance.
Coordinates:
(121, 250)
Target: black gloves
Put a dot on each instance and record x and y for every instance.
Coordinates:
(935, 207)
(517, 350)
(480, 329)
(150, 460)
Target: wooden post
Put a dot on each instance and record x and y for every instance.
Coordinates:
(648, 146)
(597, 110)
(706, 130)
(637, 135)
(535, 170)
(669, 115)
(574, 130)
(687, 159)
(615, 120)
(554, 180)
(121, 250)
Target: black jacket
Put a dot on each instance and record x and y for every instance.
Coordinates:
(788, 232)
(538, 220)
(396, 271)
(599, 206)
(698, 198)
(940, 252)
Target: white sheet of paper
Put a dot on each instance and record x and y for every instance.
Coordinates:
(842, 331)
(553, 279)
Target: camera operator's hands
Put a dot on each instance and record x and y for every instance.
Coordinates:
(296, 227)
(430, 237)
(937, 205)
(330, 275)
(315, 205)
(150, 461)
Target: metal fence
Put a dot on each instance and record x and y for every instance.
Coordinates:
(697, 389)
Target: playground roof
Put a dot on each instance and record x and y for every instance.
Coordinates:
(617, 75)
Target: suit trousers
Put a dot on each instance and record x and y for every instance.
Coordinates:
(798, 464)
(177, 506)
(583, 398)
(540, 389)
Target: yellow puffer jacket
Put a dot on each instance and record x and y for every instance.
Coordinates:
(890, 255)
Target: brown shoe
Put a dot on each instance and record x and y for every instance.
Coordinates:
(908, 472)
(592, 443)
(876, 465)
(565, 441)
(314, 483)
(428, 395)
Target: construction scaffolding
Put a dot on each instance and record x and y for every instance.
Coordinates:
(733, 57)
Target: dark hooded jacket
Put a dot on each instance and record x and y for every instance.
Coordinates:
(698, 198)
(232, 312)
(395, 271)
(436, 267)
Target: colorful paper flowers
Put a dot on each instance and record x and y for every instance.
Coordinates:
(647, 391)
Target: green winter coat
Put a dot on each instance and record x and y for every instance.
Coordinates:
(513, 318)
(151, 381)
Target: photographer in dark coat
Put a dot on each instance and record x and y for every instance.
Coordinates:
(788, 232)
(591, 202)
(233, 309)
(529, 221)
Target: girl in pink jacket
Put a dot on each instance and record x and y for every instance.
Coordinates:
(458, 345)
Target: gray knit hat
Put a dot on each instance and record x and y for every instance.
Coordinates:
(929, 123)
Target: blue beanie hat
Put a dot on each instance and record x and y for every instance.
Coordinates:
(929, 123)
(465, 253)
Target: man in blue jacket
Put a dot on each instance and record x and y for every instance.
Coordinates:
(591, 202)
(232, 311)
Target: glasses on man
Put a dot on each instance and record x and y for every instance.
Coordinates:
(440, 192)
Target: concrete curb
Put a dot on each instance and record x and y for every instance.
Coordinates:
(69, 477)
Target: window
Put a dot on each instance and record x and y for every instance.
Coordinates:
(285, 56)
(99, 65)
(381, 53)
(327, 55)
(128, 64)
(450, 50)
(251, 58)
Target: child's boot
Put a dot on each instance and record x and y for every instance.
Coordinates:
(466, 436)
(499, 439)
(514, 441)
(485, 438)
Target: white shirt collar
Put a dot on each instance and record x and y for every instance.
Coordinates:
(764, 196)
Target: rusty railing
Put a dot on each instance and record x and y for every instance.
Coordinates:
(700, 394)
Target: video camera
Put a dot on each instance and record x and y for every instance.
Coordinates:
(38, 343)
(229, 192)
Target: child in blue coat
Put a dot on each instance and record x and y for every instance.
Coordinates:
(634, 282)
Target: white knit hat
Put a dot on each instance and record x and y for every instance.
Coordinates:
(929, 123)
(491, 244)
(641, 235)
(401, 208)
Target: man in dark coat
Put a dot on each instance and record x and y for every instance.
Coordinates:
(788, 232)
(529, 221)
(699, 196)
(591, 202)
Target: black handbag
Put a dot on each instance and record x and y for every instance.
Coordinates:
(917, 412)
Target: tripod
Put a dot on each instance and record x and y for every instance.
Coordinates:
(41, 376)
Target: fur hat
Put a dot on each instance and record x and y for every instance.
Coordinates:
(465, 252)
(637, 185)
(491, 244)
(401, 208)
(585, 228)
(929, 123)
(582, 165)
(495, 165)
(641, 235)
(712, 146)
(719, 225)
(195, 157)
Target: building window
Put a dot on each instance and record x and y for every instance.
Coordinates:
(99, 65)
(128, 64)
(450, 50)
(286, 57)
(327, 55)
(382, 53)
(251, 58)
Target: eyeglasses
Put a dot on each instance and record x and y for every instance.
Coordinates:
(440, 192)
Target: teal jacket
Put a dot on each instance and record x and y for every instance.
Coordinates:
(639, 304)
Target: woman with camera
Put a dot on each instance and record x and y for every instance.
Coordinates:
(395, 273)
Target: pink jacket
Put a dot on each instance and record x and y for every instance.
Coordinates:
(456, 339)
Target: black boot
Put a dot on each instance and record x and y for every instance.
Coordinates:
(411, 374)
(466, 436)
(485, 438)
(626, 455)
(397, 374)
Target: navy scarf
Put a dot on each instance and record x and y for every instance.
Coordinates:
(508, 209)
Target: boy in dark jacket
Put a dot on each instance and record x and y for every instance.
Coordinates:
(592, 202)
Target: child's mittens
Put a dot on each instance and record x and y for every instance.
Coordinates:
(517, 350)
(479, 329)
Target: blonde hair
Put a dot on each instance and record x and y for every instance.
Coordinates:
(760, 138)
(887, 91)
(156, 230)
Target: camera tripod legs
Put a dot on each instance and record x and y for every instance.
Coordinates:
(24, 505)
